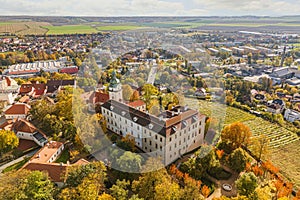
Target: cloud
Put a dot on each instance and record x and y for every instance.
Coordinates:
(250, 7)
(148, 7)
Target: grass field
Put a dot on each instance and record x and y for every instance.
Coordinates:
(118, 28)
(70, 29)
(284, 144)
(64, 157)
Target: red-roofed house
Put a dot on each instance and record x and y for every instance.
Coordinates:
(69, 70)
(97, 98)
(55, 171)
(138, 104)
(26, 130)
(40, 89)
(18, 110)
(27, 89)
(42, 161)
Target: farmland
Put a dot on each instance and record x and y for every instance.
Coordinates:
(118, 28)
(70, 29)
(283, 143)
(23, 28)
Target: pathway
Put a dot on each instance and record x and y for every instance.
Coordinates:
(152, 74)
(17, 160)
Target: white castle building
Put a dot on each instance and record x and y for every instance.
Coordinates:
(168, 136)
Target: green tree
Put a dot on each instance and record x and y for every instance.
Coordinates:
(8, 141)
(77, 173)
(26, 185)
(167, 191)
(130, 162)
(120, 190)
(77, 62)
(238, 159)
(246, 184)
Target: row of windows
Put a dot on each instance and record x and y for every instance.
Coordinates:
(175, 135)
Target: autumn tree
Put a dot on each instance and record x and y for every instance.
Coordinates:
(205, 191)
(127, 92)
(135, 96)
(77, 173)
(246, 184)
(154, 175)
(127, 143)
(120, 190)
(8, 141)
(238, 159)
(191, 189)
(167, 191)
(236, 134)
(259, 146)
(25, 185)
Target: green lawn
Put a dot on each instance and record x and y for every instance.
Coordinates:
(70, 29)
(64, 157)
(118, 28)
(16, 166)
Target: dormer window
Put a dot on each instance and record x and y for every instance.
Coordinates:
(135, 119)
(195, 117)
(150, 126)
(123, 113)
(111, 107)
(184, 123)
(174, 128)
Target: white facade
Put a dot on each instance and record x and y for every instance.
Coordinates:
(291, 115)
(11, 116)
(169, 142)
(8, 97)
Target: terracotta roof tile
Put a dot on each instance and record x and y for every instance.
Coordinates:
(18, 109)
(55, 171)
(137, 103)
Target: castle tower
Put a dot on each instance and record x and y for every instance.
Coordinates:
(115, 88)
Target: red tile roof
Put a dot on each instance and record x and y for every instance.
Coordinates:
(99, 97)
(39, 88)
(46, 152)
(25, 126)
(136, 103)
(81, 162)
(26, 88)
(24, 99)
(17, 109)
(26, 144)
(24, 72)
(69, 70)
(55, 171)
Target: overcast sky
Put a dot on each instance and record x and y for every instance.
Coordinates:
(150, 7)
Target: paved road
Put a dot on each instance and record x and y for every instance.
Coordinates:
(17, 160)
(152, 73)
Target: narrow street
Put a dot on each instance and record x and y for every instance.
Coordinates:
(152, 74)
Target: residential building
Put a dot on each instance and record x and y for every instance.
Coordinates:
(291, 115)
(18, 110)
(26, 130)
(8, 90)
